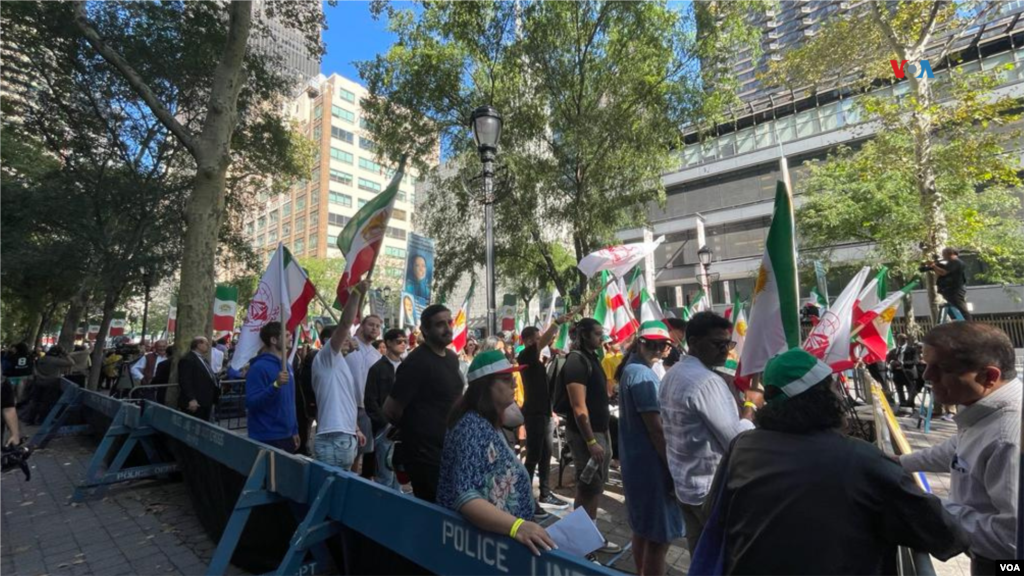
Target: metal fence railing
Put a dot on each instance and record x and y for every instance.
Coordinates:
(231, 412)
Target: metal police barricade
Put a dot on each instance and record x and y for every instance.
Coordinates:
(329, 501)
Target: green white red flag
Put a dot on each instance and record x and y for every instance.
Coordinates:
(875, 325)
(361, 239)
(637, 284)
(117, 324)
(739, 335)
(775, 305)
(284, 294)
(508, 313)
(624, 324)
(225, 304)
(698, 304)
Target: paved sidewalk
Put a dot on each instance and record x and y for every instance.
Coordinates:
(144, 527)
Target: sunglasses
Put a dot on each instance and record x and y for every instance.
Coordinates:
(401, 341)
(723, 344)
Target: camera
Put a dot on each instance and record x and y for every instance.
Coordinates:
(16, 458)
(927, 266)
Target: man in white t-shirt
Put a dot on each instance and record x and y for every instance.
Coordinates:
(338, 437)
(363, 356)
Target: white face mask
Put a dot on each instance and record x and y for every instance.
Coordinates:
(513, 416)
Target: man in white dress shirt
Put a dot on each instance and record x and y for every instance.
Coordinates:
(363, 356)
(972, 365)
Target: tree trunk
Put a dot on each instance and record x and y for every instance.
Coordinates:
(109, 303)
(79, 304)
(930, 198)
(32, 328)
(43, 322)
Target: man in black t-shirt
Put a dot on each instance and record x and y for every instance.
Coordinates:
(537, 411)
(427, 384)
(952, 280)
(587, 427)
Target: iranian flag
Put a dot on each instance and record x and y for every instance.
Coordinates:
(637, 285)
(829, 340)
(739, 336)
(172, 318)
(225, 304)
(650, 311)
(508, 313)
(874, 327)
(117, 324)
(94, 331)
(775, 305)
(284, 294)
(617, 259)
(699, 304)
(460, 331)
(562, 341)
(873, 293)
(817, 299)
(361, 239)
(623, 325)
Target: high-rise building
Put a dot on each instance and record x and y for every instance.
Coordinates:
(288, 45)
(311, 214)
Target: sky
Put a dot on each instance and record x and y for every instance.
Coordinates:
(352, 35)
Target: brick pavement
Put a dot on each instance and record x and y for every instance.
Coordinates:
(145, 527)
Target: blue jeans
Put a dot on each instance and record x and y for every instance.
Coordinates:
(384, 472)
(336, 449)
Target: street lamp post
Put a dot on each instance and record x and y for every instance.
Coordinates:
(386, 293)
(147, 282)
(486, 124)
(704, 255)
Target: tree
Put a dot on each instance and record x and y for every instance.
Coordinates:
(593, 94)
(200, 92)
(904, 31)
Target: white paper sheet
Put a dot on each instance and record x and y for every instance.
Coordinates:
(576, 534)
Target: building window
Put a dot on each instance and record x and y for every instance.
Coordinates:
(343, 135)
(273, 218)
(394, 272)
(339, 198)
(300, 202)
(316, 133)
(395, 252)
(300, 245)
(346, 95)
(286, 230)
(286, 209)
(341, 177)
(399, 214)
(341, 155)
(401, 196)
(300, 224)
(362, 202)
(395, 233)
(339, 112)
(261, 223)
(337, 219)
(314, 176)
(314, 197)
(368, 185)
(272, 237)
(332, 240)
(365, 124)
(318, 111)
(367, 144)
(248, 229)
(370, 165)
(312, 243)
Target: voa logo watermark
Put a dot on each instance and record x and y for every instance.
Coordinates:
(903, 69)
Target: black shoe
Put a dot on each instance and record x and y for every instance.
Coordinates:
(540, 513)
(553, 501)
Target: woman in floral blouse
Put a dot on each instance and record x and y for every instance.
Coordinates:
(481, 478)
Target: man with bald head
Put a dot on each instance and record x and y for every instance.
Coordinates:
(197, 381)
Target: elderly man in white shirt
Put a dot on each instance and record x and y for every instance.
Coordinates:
(362, 357)
(701, 416)
(971, 364)
(145, 367)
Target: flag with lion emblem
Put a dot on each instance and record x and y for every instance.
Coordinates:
(774, 308)
(361, 239)
(225, 303)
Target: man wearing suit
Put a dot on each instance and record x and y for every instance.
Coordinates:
(902, 362)
(197, 381)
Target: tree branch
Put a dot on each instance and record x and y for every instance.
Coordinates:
(887, 30)
(132, 77)
(963, 29)
(926, 30)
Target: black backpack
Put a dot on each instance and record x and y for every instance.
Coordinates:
(559, 397)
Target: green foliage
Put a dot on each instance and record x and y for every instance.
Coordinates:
(593, 96)
(870, 194)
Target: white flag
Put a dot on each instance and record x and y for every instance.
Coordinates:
(830, 339)
(617, 259)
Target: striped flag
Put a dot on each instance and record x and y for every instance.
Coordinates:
(172, 318)
(698, 305)
(508, 312)
(829, 340)
(225, 304)
(117, 324)
(874, 327)
(775, 305)
(361, 239)
(637, 285)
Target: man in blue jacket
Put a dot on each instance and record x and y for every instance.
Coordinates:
(270, 392)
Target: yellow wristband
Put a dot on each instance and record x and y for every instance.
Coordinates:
(592, 441)
(515, 527)
(749, 404)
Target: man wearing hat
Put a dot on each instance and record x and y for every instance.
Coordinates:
(797, 496)
(654, 516)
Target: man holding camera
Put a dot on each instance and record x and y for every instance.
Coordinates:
(951, 280)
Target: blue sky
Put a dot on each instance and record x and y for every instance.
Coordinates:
(352, 35)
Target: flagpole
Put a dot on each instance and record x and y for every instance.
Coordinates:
(323, 302)
(284, 298)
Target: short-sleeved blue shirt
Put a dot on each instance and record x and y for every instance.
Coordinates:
(650, 497)
(477, 463)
